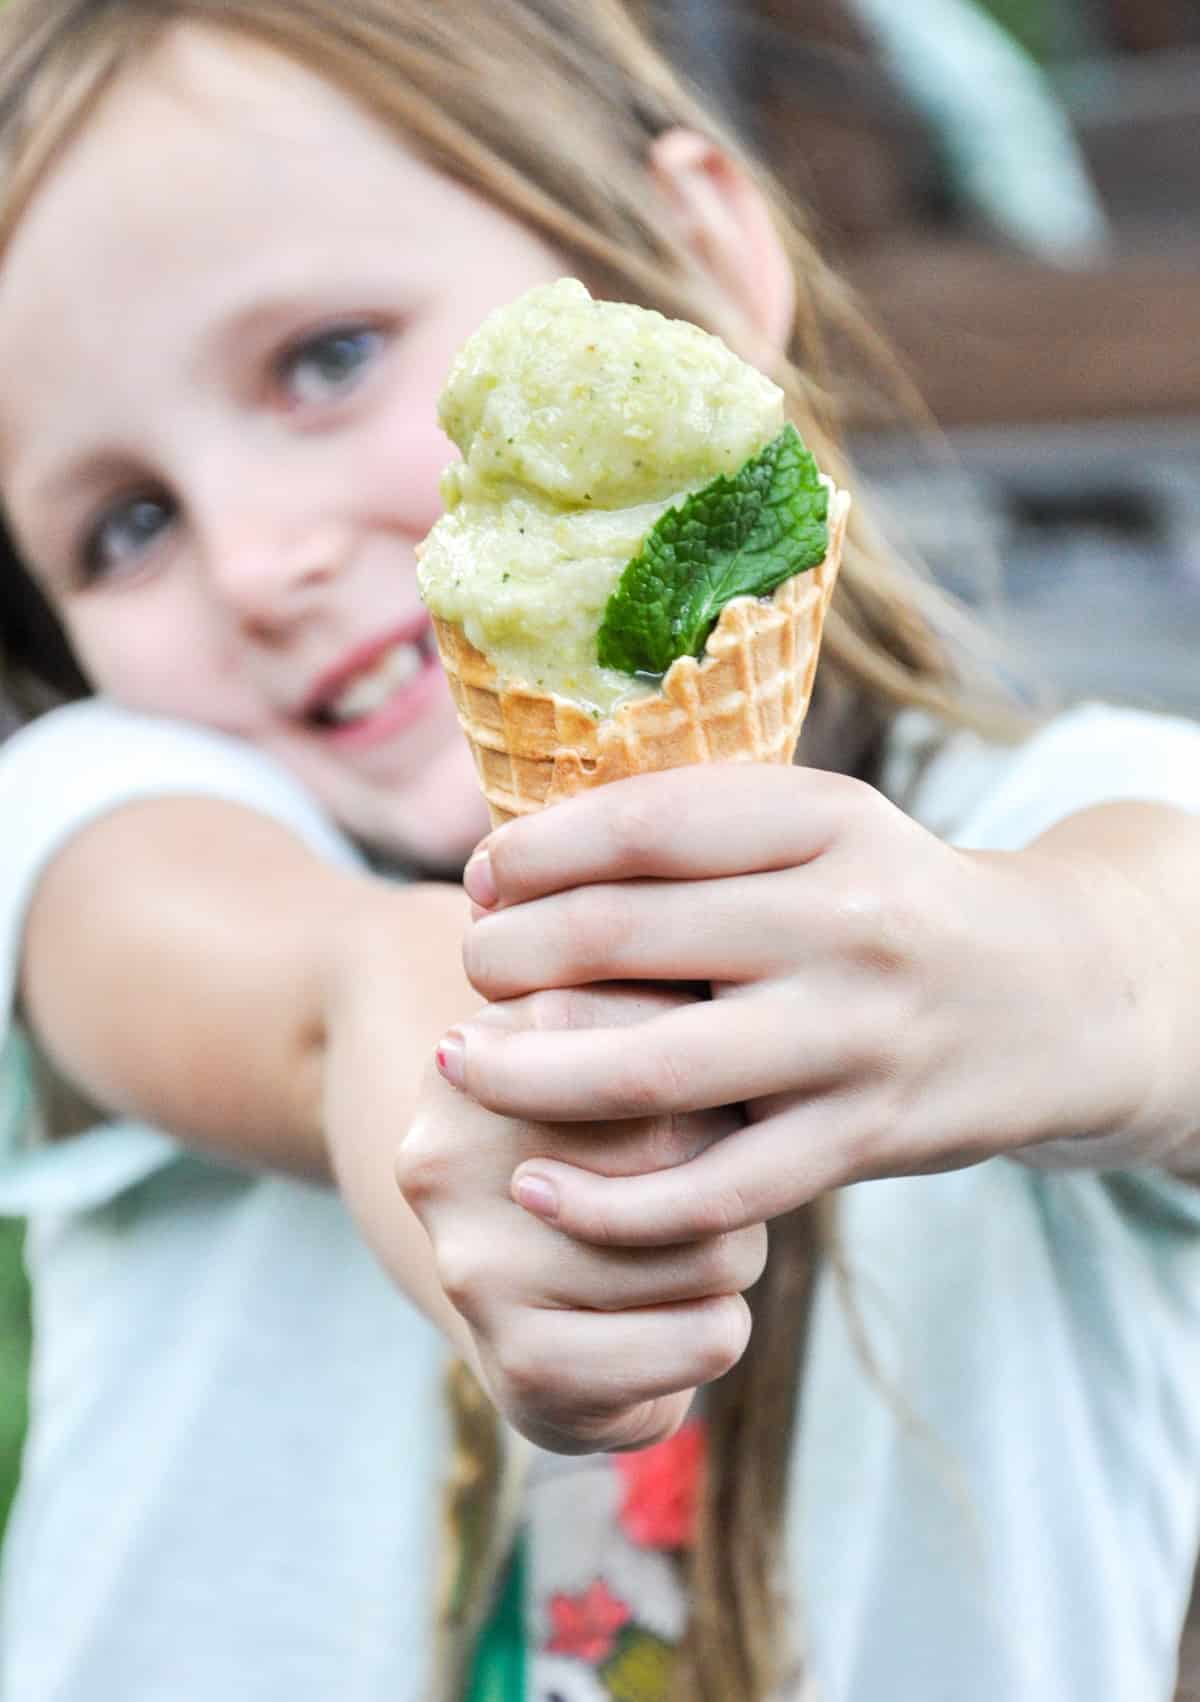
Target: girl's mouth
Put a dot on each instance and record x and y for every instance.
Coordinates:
(386, 694)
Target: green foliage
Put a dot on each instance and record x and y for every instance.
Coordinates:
(14, 1360)
(1029, 21)
(738, 537)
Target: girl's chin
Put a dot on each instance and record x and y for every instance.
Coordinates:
(433, 819)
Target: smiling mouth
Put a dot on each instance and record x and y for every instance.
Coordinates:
(372, 687)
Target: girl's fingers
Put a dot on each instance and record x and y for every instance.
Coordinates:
(755, 1175)
(601, 1005)
(563, 1275)
(581, 1372)
(679, 825)
(705, 1055)
(731, 929)
(637, 1426)
(624, 1280)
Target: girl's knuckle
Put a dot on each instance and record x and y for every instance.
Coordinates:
(634, 824)
(483, 961)
(628, 1432)
(585, 1433)
(508, 853)
(701, 1217)
(867, 1147)
(596, 928)
(722, 1338)
(878, 926)
(550, 1011)
(747, 1256)
(860, 913)
(716, 1212)
(721, 1265)
(598, 1225)
(666, 1142)
(612, 1297)
(858, 805)
(461, 1272)
(422, 1166)
(523, 1364)
(649, 1083)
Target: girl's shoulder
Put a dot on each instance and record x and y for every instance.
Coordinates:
(75, 763)
(68, 768)
(988, 796)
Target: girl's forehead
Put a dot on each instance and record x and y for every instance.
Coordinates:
(212, 175)
(210, 103)
(221, 79)
(214, 139)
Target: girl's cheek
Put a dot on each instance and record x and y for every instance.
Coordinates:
(142, 653)
(412, 456)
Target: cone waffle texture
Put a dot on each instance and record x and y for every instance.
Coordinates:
(744, 700)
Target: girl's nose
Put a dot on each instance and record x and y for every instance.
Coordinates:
(271, 578)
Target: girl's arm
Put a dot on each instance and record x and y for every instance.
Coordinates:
(192, 963)
(179, 964)
(884, 1003)
(189, 962)
(1139, 862)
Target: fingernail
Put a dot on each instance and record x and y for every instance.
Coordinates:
(452, 1058)
(537, 1195)
(479, 881)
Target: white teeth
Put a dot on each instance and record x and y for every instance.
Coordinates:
(371, 689)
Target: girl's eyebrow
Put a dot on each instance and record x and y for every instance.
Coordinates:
(78, 475)
(245, 329)
(241, 329)
(312, 300)
(239, 325)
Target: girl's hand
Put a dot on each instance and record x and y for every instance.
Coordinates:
(883, 1004)
(580, 1347)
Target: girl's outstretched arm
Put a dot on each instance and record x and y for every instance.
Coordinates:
(884, 1003)
(189, 962)
(180, 959)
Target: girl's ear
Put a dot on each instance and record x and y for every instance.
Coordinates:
(725, 222)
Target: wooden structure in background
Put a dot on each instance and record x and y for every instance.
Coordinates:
(990, 335)
(992, 339)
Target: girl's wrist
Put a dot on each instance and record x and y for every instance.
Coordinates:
(1101, 974)
(356, 981)
(338, 953)
(386, 995)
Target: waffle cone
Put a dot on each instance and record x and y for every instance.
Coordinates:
(744, 700)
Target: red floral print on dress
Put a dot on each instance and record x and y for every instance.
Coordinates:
(585, 1626)
(662, 1490)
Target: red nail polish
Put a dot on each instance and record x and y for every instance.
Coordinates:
(452, 1058)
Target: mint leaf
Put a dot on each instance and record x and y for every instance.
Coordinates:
(738, 537)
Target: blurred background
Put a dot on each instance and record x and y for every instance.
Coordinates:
(1012, 188)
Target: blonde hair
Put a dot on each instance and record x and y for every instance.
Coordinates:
(454, 82)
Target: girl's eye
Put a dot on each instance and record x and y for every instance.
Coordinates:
(122, 535)
(328, 366)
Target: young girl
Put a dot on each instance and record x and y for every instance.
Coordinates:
(241, 241)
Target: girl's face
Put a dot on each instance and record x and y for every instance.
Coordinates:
(224, 324)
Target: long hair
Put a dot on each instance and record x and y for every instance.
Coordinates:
(547, 108)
